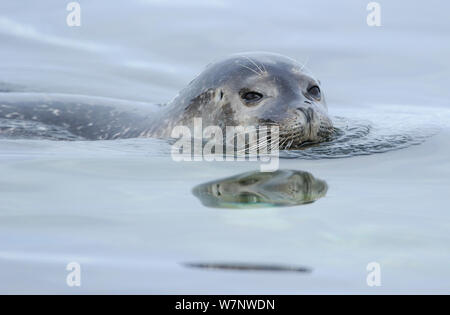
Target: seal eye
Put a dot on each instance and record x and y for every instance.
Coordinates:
(251, 96)
(314, 92)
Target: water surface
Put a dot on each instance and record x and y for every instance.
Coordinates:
(125, 210)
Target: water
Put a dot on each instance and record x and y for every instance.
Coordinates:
(125, 210)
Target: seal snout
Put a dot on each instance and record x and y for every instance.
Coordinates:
(309, 121)
(308, 113)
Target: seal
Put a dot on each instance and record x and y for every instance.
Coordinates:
(246, 89)
(281, 188)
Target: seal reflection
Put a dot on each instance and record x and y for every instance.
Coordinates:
(255, 189)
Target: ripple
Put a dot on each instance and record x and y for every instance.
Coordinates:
(370, 130)
(354, 137)
(32, 130)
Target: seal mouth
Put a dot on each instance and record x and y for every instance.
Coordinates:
(299, 136)
(304, 127)
(304, 136)
(310, 128)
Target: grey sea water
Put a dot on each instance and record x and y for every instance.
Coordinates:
(126, 212)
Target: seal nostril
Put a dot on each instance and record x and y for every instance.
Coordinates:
(308, 102)
(308, 113)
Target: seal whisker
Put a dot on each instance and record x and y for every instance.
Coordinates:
(250, 69)
(283, 142)
(258, 145)
(264, 67)
(290, 144)
(255, 64)
(304, 63)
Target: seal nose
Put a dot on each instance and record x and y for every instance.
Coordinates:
(308, 113)
(311, 122)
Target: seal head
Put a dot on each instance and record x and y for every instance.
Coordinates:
(255, 89)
